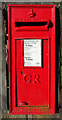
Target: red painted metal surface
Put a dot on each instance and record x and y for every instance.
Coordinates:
(31, 88)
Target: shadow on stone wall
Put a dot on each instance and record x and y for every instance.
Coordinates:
(57, 50)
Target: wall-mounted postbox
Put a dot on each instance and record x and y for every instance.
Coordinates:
(31, 30)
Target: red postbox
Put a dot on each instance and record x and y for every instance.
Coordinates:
(31, 30)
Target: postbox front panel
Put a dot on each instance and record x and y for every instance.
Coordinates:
(32, 79)
(31, 59)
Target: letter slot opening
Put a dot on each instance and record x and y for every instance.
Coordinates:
(31, 25)
(21, 24)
